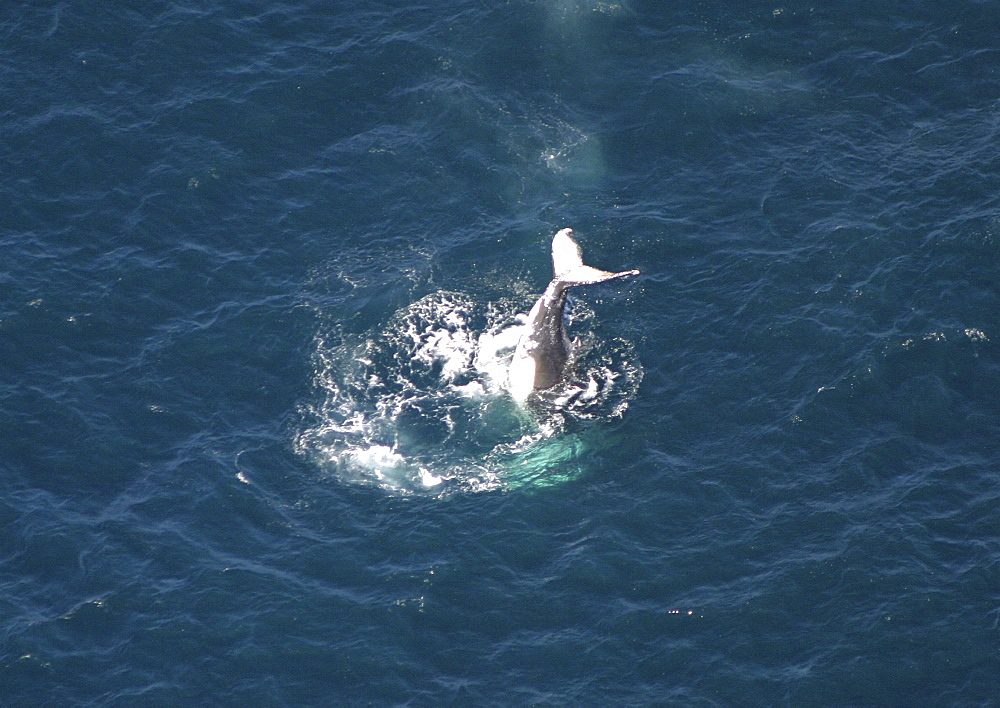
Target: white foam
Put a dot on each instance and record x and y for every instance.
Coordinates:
(493, 354)
(378, 459)
(417, 408)
(429, 480)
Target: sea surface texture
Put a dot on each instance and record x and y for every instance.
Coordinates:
(263, 265)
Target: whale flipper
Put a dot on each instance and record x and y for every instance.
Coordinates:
(544, 349)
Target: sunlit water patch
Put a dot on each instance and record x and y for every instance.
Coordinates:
(422, 406)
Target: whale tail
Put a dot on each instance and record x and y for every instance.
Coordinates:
(567, 263)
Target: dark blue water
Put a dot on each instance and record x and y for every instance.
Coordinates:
(260, 268)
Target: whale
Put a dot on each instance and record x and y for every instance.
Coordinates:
(544, 349)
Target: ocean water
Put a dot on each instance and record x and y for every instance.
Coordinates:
(262, 266)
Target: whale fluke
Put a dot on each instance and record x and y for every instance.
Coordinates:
(567, 263)
(544, 349)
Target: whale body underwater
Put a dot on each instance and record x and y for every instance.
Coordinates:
(544, 349)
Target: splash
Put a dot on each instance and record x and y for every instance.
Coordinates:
(422, 407)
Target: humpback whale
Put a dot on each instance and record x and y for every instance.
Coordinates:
(544, 349)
